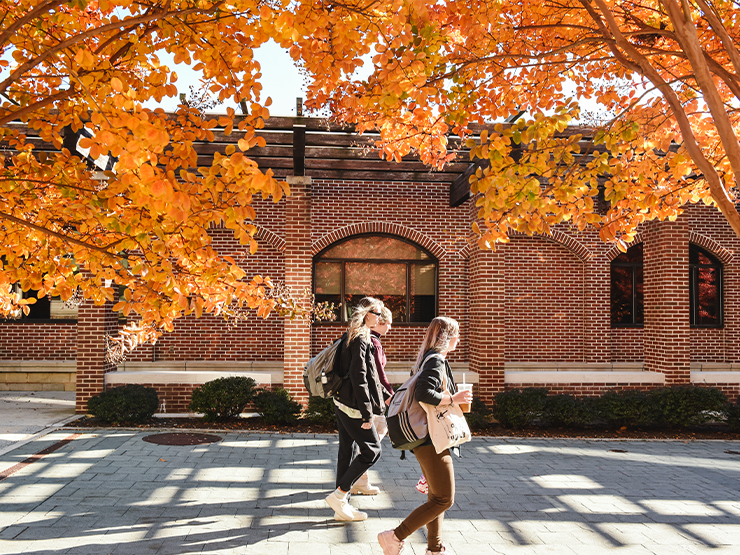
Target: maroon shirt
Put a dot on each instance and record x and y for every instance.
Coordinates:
(380, 361)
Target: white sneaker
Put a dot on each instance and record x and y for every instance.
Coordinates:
(363, 487)
(356, 515)
(390, 543)
(342, 509)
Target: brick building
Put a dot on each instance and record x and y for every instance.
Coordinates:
(565, 311)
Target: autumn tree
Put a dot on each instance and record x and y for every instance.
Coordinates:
(72, 67)
(664, 75)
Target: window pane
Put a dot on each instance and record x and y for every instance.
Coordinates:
(698, 255)
(422, 293)
(708, 289)
(376, 247)
(621, 295)
(328, 285)
(632, 256)
(384, 281)
(328, 278)
(639, 297)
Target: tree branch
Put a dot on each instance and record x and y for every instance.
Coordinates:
(23, 68)
(20, 22)
(61, 236)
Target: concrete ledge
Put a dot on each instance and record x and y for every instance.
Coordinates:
(715, 367)
(183, 377)
(712, 377)
(573, 367)
(46, 366)
(574, 377)
(273, 369)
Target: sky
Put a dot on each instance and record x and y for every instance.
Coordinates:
(281, 80)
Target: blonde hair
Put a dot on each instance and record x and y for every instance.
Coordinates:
(439, 334)
(357, 325)
(385, 315)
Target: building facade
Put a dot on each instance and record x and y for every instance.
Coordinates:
(564, 311)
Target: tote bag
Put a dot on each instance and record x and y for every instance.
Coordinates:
(447, 425)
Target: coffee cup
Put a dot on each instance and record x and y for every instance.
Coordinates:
(465, 407)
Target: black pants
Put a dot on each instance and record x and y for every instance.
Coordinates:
(349, 466)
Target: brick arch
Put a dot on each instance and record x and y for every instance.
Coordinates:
(269, 237)
(614, 251)
(466, 251)
(573, 245)
(724, 254)
(433, 247)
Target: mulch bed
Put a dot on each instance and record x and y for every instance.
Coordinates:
(709, 431)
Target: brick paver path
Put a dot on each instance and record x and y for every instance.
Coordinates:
(108, 491)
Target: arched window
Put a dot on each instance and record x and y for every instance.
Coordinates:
(400, 273)
(627, 299)
(705, 289)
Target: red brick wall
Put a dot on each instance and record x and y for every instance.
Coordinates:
(666, 331)
(732, 390)
(419, 212)
(298, 272)
(31, 341)
(213, 338)
(709, 345)
(545, 302)
(93, 324)
(709, 229)
(533, 300)
(626, 344)
(400, 344)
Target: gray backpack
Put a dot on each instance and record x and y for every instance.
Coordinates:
(407, 420)
(320, 375)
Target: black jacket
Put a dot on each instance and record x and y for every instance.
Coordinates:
(361, 388)
(430, 381)
(429, 386)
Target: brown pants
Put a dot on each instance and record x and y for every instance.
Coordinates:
(440, 477)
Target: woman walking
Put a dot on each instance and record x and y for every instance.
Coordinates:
(442, 337)
(363, 486)
(358, 400)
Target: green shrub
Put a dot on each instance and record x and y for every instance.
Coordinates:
(277, 407)
(517, 408)
(568, 411)
(320, 410)
(732, 410)
(131, 403)
(223, 399)
(687, 405)
(625, 408)
(480, 415)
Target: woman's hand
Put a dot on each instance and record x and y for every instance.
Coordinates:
(463, 397)
(367, 425)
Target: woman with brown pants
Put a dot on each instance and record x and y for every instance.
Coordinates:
(442, 337)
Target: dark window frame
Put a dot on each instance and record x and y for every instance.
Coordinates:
(634, 266)
(408, 262)
(27, 319)
(694, 293)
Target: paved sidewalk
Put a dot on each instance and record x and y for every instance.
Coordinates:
(23, 414)
(108, 491)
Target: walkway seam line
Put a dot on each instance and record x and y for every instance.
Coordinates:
(37, 457)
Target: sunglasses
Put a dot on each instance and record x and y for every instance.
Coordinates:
(373, 312)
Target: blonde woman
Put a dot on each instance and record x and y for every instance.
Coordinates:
(442, 337)
(359, 399)
(363, 485)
